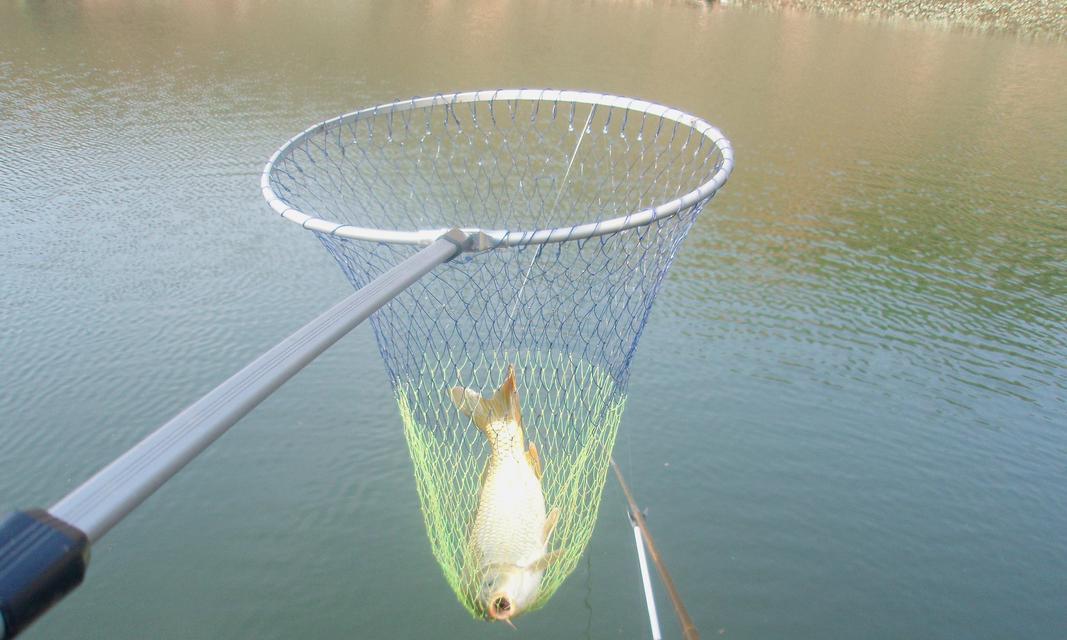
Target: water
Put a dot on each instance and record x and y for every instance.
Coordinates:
(847, 415)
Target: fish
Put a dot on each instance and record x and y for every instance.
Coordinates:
(510, 530)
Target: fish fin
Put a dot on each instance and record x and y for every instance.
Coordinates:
(534, 460)
(471, 404)
(499, 567)
(550, 523)
(504, 405)
(546, 560)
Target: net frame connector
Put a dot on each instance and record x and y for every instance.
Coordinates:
(467, 242)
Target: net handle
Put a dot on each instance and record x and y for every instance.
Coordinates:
(483, 239)
(44, 554)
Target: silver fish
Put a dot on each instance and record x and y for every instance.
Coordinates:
(510, 532)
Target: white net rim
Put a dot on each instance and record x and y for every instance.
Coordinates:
(508, 237)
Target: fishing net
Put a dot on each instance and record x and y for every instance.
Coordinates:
(577, 204)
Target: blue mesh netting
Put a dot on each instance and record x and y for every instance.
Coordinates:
(567, 315)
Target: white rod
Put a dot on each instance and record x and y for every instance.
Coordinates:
(650, 601)
(103, 500)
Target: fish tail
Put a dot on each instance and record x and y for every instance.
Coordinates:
(502, 407)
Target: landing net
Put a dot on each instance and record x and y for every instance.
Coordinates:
(577, 204)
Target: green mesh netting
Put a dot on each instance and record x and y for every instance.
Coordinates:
(571, 415)
(567, 315)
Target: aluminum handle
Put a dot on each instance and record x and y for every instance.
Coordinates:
(103, 500)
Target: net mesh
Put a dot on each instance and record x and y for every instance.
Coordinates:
(567, 315)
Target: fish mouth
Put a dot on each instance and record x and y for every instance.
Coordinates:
(501, 607)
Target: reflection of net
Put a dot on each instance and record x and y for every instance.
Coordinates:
(567, 315)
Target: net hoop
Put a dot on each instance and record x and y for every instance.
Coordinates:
(505, 237)
(515, 170)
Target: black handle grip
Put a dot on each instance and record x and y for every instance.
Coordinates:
(42, 559)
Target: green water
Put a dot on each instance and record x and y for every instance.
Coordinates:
(847, 417)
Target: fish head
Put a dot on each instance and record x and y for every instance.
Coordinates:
(507, 591)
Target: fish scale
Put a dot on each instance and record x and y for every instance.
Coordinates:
(509, 523)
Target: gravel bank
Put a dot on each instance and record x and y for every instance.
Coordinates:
(1047, 18)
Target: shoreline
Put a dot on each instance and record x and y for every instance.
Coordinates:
(1032, 18)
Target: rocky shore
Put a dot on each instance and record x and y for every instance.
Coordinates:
(1044, 18)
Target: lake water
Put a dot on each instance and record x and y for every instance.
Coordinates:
(847, 417)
